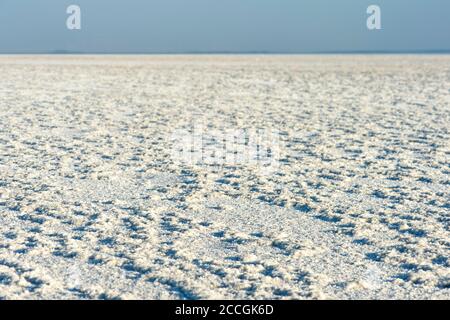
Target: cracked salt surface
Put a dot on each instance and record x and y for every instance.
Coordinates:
(93, 205)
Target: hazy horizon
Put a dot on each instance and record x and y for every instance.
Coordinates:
(205, 26)
(386, 52)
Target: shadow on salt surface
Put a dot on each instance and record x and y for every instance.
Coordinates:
(268, 246)
(106, 206)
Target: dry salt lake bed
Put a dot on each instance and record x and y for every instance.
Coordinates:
(97, 202)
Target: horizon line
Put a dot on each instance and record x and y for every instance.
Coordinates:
(219, 52)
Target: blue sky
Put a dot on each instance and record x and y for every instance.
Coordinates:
(224, 26)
